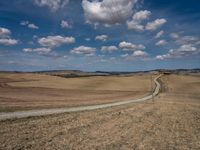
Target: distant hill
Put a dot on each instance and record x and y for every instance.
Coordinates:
(79, 73)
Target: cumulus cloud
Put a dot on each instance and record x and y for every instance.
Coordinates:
(135, 26)
(101, 37)
(127, 46)
(5, 38)
(24, 22)
(188, 45)
(159, 34)
(55, 41)
(33, 26)
(29, 25)
(161, 43)
(4, 32)
(162, 57)
(84, 50)
(109, 48)
(65, 24)
(28, 50)
(8, 42)
(186, 40)
(53, 5)
(87, 39)
(174, 35)
(183, 50)
(139, 53)
(35, 36)
(108, 12)
(141, 15)
(125, 55)
(138, 17)
(151, 26)
(42, 50)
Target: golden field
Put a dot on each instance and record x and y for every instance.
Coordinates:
(171, 121)
(22, 91)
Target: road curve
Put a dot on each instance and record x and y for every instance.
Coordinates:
(43, 112)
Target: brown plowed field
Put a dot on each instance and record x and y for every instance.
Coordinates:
(172, 121)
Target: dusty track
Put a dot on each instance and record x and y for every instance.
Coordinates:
(42, 112)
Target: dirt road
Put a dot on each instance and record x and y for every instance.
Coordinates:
(42, 112)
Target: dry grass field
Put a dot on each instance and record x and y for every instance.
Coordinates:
(171, 122)
(22, 91)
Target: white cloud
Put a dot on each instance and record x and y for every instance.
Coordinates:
(28, 24)
(101, 37)
(28, 50)
(125, 55)
(159, 34)
(155, 24)
(186, 40)
(183, 50)
(87, 39)
(108, 12)
(174, 35)
(161, 57)
(161, 43)
(42, 50)
(65, 24)
(55, 41)
(126, 46)
(24, 23)
(5, 38)
(138, 17)
(84, 50)
(141, 15)
(188, 45)
(186, 48)
(53, 5)
(4, 32)
(109, 48)
(139, 53)
(135, 26)
(35, 36)
(8, 42)
(32, 26)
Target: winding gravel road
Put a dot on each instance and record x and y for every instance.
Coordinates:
(43, 112)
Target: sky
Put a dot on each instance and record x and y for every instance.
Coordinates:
(99, 35)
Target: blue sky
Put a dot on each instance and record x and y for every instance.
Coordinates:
(107, 35)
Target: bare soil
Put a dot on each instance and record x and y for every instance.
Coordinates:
(171, 121)
(36, 91)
